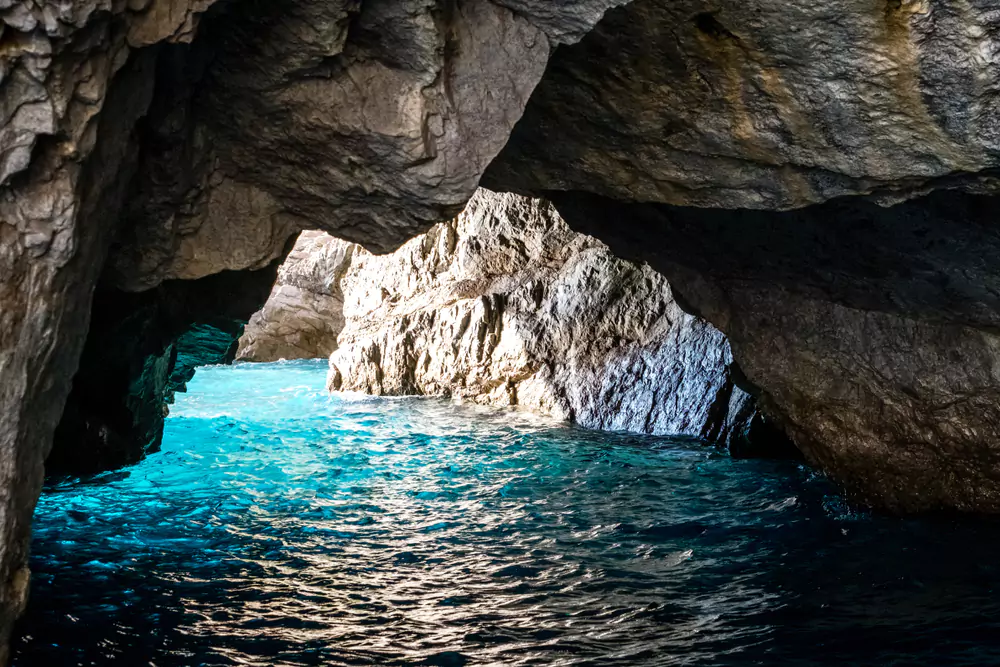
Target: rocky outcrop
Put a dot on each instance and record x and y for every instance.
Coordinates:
(305, 311)
(758, 104)
(506, 305)
(871, 330)
(868, 321)
(199, 136)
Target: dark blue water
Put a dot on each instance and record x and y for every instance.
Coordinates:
(280, 526)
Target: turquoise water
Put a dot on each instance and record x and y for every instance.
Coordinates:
(280, 526)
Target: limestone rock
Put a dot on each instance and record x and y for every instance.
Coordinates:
(505, 305)
(765, 104)
(69, 100)
(305, 311)
(870, 330)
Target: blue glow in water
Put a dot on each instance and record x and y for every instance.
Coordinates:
(279, 526)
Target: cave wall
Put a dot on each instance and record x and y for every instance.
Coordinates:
(505, 305)
(304, 312)
(60, 194)
(765, 104)
(771, 161)
(374, 120)
(175, 139)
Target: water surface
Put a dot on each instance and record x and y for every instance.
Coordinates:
(280, 526)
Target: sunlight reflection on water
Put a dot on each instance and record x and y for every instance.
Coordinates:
(281, 526)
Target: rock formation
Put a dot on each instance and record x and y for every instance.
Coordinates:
(197, 136)
(505, 305)
(305, 311)
(869, 327)
(871, 330)
(158, 140)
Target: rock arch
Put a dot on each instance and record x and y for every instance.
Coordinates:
(147, 142)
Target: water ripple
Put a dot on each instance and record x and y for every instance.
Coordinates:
(280, 526)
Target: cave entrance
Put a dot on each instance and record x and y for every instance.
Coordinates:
(284, 525)
(142, 348)
(277, 520)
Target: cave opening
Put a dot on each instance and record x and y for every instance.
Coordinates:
(805, 197)
(381, 524)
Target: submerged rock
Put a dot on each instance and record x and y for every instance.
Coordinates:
(506, 305)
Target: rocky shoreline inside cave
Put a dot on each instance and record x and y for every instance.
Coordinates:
(505, 305)
(744, 222)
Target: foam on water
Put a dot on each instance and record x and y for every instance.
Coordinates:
(281, 526)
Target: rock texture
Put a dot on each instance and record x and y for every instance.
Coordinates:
(198, 136)
(765, 105)
(506, 305)
(305, 311)
(381, 117)
(69, 97)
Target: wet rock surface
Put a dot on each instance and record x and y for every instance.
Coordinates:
(305, 311)
(197, 137)
(870, 330)
(142, 348)
(506, 305)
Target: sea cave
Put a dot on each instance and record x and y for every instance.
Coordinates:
(499, 332)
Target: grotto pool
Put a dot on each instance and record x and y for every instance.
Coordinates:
(280, 526)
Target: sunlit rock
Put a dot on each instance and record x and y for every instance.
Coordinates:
(506, 305)
(305, 311)
(870, 330)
